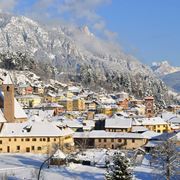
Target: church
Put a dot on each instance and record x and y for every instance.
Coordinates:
(18, 135)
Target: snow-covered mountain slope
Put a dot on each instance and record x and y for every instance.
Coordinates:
(163, 68)
(169, 74)
(173, 80)
(78, 55)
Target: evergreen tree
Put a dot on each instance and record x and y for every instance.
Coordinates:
(120, 169)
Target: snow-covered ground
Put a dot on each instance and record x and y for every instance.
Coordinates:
(25, 167)
(145, 172)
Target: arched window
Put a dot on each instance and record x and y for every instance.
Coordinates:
(8, 88)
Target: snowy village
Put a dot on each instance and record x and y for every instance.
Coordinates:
(89, 90)
(79, 130)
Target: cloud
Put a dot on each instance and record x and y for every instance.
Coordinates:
(77, 12)
(85, 9)
(8, 5)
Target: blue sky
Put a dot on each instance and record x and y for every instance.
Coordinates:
(147, 29)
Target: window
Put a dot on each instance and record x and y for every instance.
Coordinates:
(22, 139)
(112, 140)
(133, 140)
(54, 139)
(34, 139)
(32, 147)
(119, 140)
(39, 148)
(0, 141)
(14, 139)
(99, 140)
(40, 139)
(8, 149)
(44, 139)
(27, 149)
(104, 140)
(158, 125)
(9, 139)
(0, 149)
(8, 88)
(125, 141)
(48, 139)
(27, 139)
(158, 131)
(18, 148)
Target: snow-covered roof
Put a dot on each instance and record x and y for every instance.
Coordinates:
(51, 94)
(139, 129)
(150, 134)
(36, 129)
(29, 96)
(89, 123)
(8, 79)
(34, 118)
(174, 120)
(153, 143)
(118, 122)
(73, 124)
(178, 136)
(74, 89)
(135, 122)
(106, 134)
(168, 115)
(100, 117)
(153, 121)
(18, 110)
(59, 154)
(2, 118)
(52, 105)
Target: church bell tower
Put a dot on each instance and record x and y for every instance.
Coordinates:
(8, 89)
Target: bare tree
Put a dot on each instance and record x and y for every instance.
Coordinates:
(82, 144)
(165, 158)
(4, 176)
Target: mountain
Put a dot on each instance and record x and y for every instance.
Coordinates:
(163, 68)
(74, 54)
(173, 80)
(169, 74)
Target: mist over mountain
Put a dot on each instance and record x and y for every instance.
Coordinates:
(75, 54)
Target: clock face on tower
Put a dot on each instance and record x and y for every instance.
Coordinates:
(149, 105)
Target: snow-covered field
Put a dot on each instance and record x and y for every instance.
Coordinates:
(25, 167)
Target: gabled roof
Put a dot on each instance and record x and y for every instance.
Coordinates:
(150, 135)
(105, 134)
(73, 123)
(139, 129)
(18, 111)
(118, 122)
(153, 121)
(8, 79)
(34, 129)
